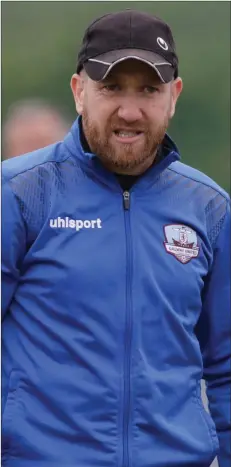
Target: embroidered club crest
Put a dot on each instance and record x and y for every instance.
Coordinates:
(181, 242)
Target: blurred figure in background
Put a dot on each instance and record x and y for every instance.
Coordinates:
(31, 124)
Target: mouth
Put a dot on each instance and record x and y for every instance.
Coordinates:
(127, 136)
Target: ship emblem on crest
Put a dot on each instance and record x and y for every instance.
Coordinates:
(181, 242)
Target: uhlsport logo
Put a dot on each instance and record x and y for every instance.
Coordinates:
(181, 242)
(77, 224)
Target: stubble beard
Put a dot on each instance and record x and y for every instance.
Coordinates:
(123, 157)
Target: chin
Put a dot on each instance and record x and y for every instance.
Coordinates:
(126, 164)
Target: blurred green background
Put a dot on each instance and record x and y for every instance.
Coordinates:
(40, 42)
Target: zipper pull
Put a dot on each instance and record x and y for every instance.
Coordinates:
(126, 197)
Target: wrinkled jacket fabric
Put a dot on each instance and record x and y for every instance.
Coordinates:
(115, 305)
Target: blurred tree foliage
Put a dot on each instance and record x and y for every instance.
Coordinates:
(40, 41)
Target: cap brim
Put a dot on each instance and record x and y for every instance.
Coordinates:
(99, 67)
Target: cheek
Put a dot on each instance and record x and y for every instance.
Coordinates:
(157, 113)
(98, 111)
(161, 108)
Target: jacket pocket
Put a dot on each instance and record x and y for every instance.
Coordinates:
(9, 414)
(207, 420)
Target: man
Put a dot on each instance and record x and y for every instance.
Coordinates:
(31, 124)
(116, 275)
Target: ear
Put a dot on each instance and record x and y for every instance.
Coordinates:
(77, 86)
(177, 86)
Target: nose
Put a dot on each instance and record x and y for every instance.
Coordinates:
(129, 110)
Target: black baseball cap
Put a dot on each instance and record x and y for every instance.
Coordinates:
(116, 37)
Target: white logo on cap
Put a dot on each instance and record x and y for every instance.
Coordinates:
(161, 42)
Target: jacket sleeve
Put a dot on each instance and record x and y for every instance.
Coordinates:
(214, 334)
(13, 245)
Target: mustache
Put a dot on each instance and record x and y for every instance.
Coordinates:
(117, 125)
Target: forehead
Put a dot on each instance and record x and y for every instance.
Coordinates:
(133, 68)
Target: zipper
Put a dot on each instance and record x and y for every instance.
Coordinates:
(128, 331)
(126, 197)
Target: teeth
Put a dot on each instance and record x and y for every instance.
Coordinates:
(126, 133)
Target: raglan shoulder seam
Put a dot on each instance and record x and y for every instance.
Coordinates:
(9, 179)
(225, 196)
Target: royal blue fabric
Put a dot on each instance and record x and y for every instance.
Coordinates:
(108, 323)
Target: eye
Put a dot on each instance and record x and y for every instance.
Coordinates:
(111, 87)
(150, 89)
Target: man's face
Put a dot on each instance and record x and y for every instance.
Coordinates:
(125, 116)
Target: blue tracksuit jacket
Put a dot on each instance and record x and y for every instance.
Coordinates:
(115, 305)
